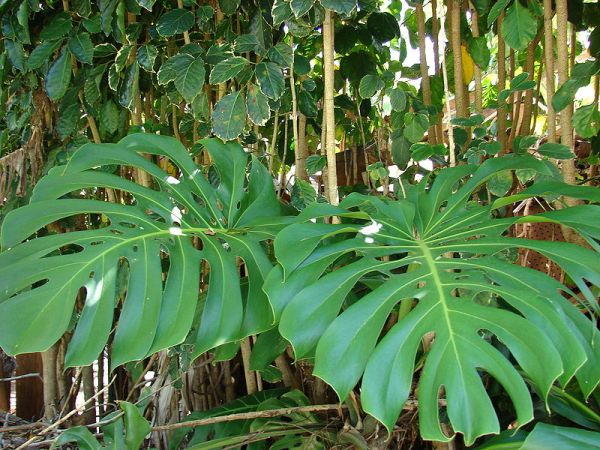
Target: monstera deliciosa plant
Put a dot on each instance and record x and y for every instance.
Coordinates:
(224, 212)
(426, 283)
(444, 257)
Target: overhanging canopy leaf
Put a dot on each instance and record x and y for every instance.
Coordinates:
(230, 218)
(404, 251)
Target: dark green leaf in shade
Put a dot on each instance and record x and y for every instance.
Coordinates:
(109, 117)
(415, 126)
(58, 27)
(146, 55)
(556, 151)
(229, 7)
(301, 7)
(479, 51)
(281, 54)
(146, 4)
(190, 77)
(40, 55)
(200, 106)
(383, 26)
(175, 22)
(586, 120)
(281, 11)
(344, 7)
(307, 104)
(129, 87)
(315, 163)
(227, 69)
(248, 43)
(16, 54)
(397, 99)
(257, 105)
(270, 78)
(519, 26)
(59, 76)
(301, 65)
(229, 116)
(495, 11)
(82, 48)
(67, 123)
(370, 85)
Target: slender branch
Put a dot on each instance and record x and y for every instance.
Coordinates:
(65, 418)
(27, 375)
(250, 415)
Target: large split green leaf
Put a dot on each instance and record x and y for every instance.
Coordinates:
(446, 255)
(230, 218)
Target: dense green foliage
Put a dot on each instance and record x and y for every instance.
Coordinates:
(169, 197)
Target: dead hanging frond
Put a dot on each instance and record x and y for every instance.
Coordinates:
(27, 160)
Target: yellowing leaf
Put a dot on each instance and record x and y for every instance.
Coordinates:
(467, 65)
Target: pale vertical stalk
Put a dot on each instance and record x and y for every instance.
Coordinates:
(228, 382)
(89, 393)
(501, 111)
(528, 102)
(328, 69)
(273, 141)
(538, 95)
(322, 151)
(100, 378)
(549, 60)
(435, 28)
(477, 69)
(573, 53)
(452, 150)
(301, 149)
(251, 386)
(282, 177)
(459, 85)
(294, 104)
(186, 34)
(511, 98)
(50, 382)
(222, 88)
(364, 143)
(566, 129)
(425, 85)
